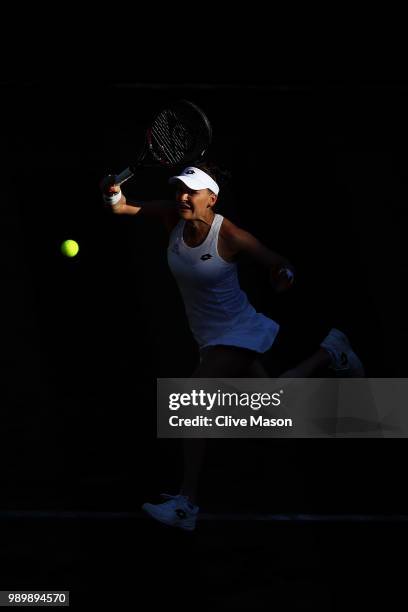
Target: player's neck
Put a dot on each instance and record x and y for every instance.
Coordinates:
(202, 225)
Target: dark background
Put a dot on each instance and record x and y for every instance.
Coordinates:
(319, 173)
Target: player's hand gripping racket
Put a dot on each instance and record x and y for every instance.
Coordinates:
(179, 134)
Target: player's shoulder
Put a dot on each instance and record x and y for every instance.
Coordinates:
(233, 235)
(228, 229)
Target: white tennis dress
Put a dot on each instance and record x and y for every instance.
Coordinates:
(218, 310)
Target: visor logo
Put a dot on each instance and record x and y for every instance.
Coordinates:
(189, 172)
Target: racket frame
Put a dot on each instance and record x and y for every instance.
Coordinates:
(131, 170)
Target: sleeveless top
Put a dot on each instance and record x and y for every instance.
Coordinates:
(217, 309)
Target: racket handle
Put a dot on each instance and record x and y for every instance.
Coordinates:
(124, 176)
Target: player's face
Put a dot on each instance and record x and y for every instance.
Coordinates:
(193, 203)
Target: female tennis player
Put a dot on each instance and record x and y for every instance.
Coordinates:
(231, 335)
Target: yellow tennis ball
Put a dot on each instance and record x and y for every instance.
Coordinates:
(69, 248)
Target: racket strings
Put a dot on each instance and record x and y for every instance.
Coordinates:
(173, 137)
(174, 153)
(165, 146)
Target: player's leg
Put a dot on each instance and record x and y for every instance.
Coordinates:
(181, 510)
(216, 362)
(257, 370)
(336, 353)
(317, 363)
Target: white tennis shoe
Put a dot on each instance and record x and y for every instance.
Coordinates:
(177, 511)
(345, 362)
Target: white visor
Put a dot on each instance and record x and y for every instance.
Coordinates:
(196, 179)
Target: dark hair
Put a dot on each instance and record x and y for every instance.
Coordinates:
(220, 176)
(225, 202)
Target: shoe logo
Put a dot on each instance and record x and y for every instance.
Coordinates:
(205, 257)
(343, 359)
(181, 514)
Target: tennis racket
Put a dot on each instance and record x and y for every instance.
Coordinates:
(179, 134)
